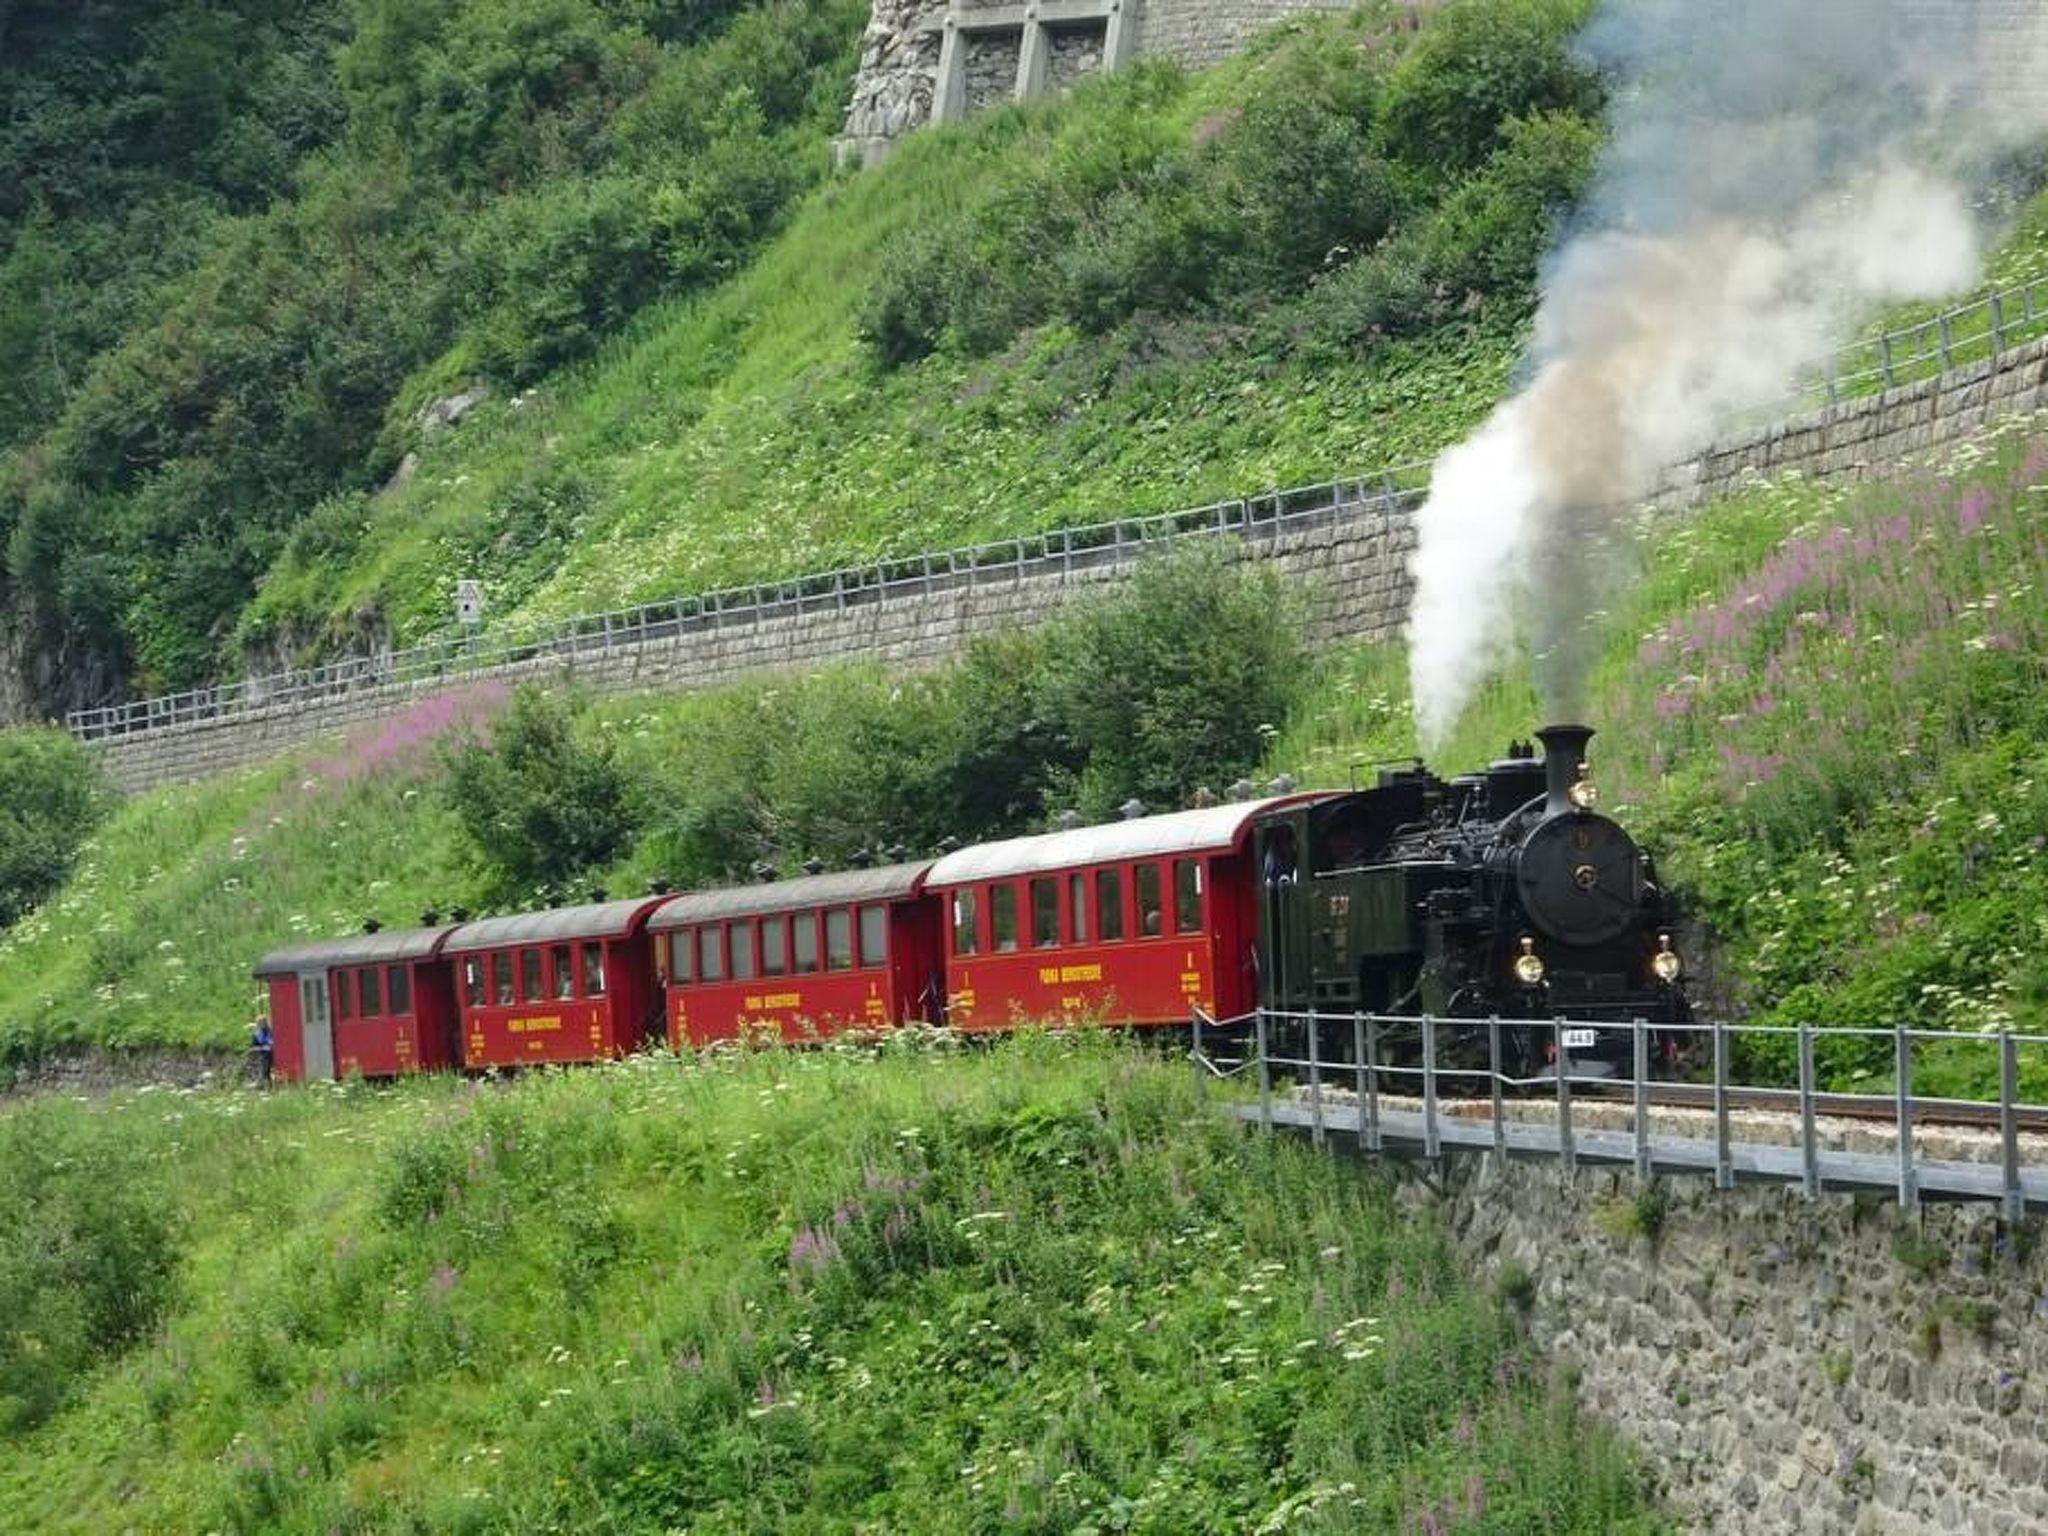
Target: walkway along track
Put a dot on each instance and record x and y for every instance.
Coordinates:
(1907, 1146)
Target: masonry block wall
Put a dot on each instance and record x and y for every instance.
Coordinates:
(1782, 1366)
(1873, 435)
(1350, 562)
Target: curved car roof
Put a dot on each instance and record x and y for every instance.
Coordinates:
(599, 920)
(1211, 829)
(891, 882)
(381, 948)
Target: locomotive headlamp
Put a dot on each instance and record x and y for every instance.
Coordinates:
(1529, 965)
(1583, 794)
(1665, 964)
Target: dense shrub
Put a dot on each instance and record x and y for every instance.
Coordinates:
(1478, 66)
(234, 240)
(1486, 238)
(1171, 684)
(87, 1257)
(540, 801)
(1441, 175)
(51, 798)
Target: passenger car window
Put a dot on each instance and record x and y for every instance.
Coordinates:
(398, 989)
(682, 955)
(1077, 908)
(711, 952)
(965, 939)
(804, 941)
(1148, 900)
(369, 986)
(1109, 902)
(775, 946)
(838, 939)
(1002, 917)
(593, 969)
(473, 980)
(501, 978)
(565, 972)
(344, 990)
(530, 988)
(874, 935)
(1045, 912)
(1187, 895)
(743, 951)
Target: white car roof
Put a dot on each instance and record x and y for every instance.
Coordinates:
(1212, 829)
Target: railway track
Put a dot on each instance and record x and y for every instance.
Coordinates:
(1841, 1106)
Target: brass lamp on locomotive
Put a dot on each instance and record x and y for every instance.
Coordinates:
(1501, 894)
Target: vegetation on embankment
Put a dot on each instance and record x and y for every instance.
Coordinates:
(1033, 1287)
(711, 361)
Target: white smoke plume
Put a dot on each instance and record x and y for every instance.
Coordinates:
(1775, 169)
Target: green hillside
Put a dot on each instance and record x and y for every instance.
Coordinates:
(1821, 708)
(709, 360)
(1036, 1288)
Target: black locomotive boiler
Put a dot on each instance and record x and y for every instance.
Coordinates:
(1503, 894)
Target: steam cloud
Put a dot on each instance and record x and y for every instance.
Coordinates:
(1775, 168)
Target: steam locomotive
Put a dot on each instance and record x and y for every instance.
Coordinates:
(1504, 894)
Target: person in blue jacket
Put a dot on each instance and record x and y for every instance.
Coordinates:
(260, 1046)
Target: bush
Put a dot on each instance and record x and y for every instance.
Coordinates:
(541, 801)
(51, 798)
(1478, 66)
(87, 1259)
(1176, 683)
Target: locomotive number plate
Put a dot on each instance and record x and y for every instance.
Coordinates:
(1581, 1039)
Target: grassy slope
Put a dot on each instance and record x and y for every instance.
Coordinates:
(746, 436)
(1035, 1290)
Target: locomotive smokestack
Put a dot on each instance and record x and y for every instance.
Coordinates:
(1564, 749)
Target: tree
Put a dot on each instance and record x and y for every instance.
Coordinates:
(51, 798)
(542, 800)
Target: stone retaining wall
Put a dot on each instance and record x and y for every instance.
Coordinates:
(1783, 1366)
(1350, 563)
(1870, 436)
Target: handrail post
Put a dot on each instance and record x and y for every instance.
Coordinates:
(1902, 1051)
(1265, 1070)
(1946, 352)
(1997, 325)
(2009, 1123)
(1358, 1064)
(1315, 1078)
(1201, 1063)
(1372, 1084)
(1724, 1161)
(1641, 1031)
(1500, 1127)
(1809, 1140)
(1430, 1146)
(1561, 1060)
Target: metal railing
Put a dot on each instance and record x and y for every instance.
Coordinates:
(1059, 553)
(1388, 1081)
(1984, 329)
(1976, 332)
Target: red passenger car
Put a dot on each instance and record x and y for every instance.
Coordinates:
(1133, 922)
(374, 1005)
(569, 984)
(803, 957)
